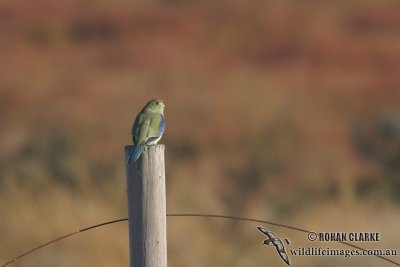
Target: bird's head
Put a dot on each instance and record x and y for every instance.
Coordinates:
(155, 105)
(267, 242)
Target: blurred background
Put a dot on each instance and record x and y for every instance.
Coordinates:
(284, 110)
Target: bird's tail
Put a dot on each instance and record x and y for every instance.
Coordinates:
(135, 153)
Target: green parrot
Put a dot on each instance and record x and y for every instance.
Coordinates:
(148, 128)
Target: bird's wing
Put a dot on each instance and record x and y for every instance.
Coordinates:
(263, 230)
(142, 130)
(280, 248)
(285, 258)
(136, 127)
(156, 126)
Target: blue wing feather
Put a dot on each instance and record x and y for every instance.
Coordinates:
(161, 129)
(162, 126)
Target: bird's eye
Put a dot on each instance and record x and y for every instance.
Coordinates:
(158, 103)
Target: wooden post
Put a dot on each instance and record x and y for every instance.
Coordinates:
(146, 206)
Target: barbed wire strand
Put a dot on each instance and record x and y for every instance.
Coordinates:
(183, 215)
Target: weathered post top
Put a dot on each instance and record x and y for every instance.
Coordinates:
(147, 208)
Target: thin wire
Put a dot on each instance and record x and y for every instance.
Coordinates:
(182, 215)
(60, 238)
(276, 224)
(236, 218)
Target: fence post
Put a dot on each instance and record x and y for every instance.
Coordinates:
(147, 208)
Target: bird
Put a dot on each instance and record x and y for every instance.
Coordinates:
(274, 240)
(148, 128)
